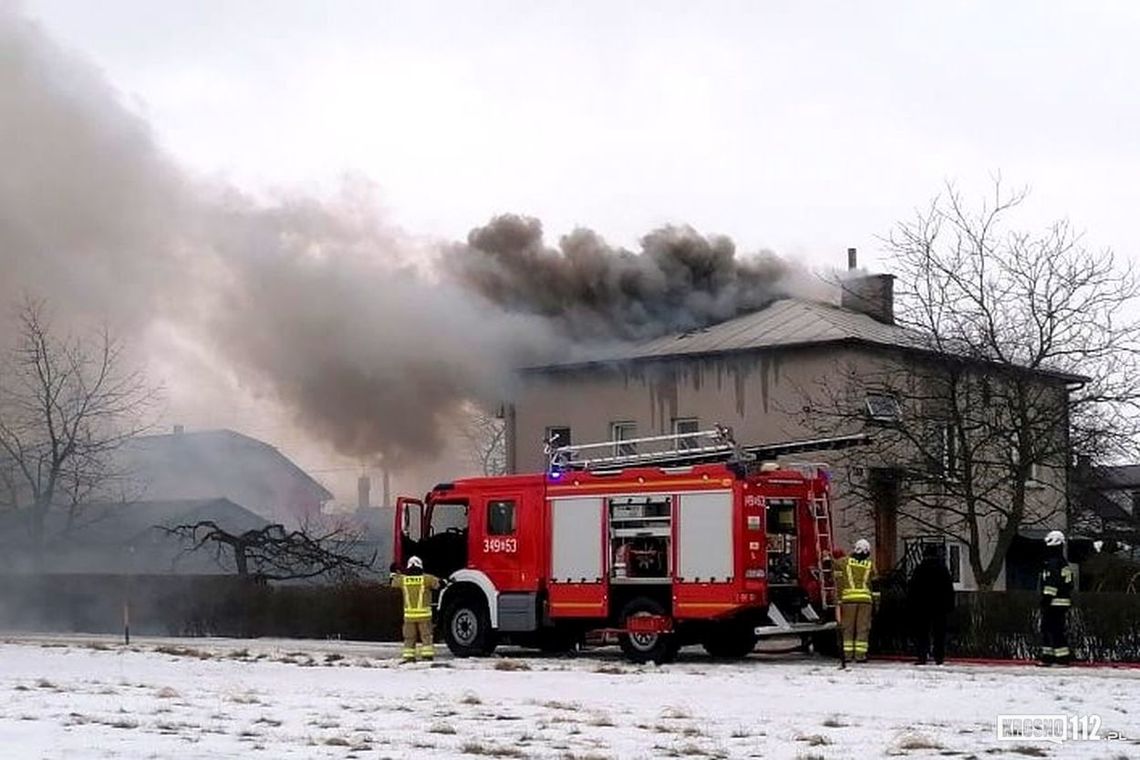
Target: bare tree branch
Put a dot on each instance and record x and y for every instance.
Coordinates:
(66, 405)
(275, 553)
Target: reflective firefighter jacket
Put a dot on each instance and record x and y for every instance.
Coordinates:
(1056, 583)
(417, 590)
(853, 578)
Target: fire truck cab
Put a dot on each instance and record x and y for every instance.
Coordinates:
(701, 544)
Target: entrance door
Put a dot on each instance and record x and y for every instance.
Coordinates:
(885, 500)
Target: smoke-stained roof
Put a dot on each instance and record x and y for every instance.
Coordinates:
(786, 323)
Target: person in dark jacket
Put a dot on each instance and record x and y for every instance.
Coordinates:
(930, 599)
(1056, 599)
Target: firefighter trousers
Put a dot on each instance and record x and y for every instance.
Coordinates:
(855, 619)
(417, 630)
(1054, 641)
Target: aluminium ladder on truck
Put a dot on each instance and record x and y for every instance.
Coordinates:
(679, 449)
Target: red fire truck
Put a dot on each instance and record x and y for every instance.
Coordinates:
(702, 541)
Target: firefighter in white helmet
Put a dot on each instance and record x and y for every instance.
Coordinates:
(854, 576)
(417, 587)
(1056, 598)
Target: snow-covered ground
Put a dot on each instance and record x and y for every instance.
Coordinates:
(70, 697)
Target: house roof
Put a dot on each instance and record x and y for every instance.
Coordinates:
(786, 323)
(1120, 477)
(223, 462)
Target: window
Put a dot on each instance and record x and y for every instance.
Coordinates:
(950, 464)
(949, 551)
(882, 407)
(1033, 476)
(500, 518)
(558, 436)
(684, 426)
(954, 562)
(445, 516)
(623, 431)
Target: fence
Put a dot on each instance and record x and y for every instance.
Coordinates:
(1103, 627)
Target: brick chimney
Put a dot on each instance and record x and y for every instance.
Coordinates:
(870, 294)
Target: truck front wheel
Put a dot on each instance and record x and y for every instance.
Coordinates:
(467, 627)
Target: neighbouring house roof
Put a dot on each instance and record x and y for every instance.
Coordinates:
(786, 323)
(217, 464)
(122, 537)
(1118, 478)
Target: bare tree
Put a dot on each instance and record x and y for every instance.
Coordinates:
(1021, 350)
(273, 553)
(485, 436)
(67, 403)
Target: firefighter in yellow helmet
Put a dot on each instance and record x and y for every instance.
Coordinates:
(417, 587)
(854, 576)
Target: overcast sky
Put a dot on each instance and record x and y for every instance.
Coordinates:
(800, 130)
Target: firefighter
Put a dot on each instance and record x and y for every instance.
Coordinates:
(1056, 598)
(853, 578)
(417, 587)
(930, 599)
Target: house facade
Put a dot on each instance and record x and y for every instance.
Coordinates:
(770, 376)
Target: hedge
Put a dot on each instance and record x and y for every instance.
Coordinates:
(1000, 624)
(1103, 627)
(199, 606)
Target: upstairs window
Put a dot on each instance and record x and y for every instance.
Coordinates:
(950, 462)
(558, 435)
(684, 427)
(623, 431)
(1033, 476)
(883, 407)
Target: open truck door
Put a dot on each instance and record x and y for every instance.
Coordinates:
(408, 530)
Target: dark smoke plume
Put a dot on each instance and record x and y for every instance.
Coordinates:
(591, 291)
(370, 339)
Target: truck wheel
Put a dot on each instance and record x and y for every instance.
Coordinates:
(467, 627)
(646, 647)
(730, 641)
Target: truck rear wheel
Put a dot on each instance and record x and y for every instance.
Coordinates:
(646, 647)
(730, 641)
(467, 627)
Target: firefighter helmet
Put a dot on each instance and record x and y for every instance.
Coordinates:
(862, 546)
(1054, 538)
(415, 563)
